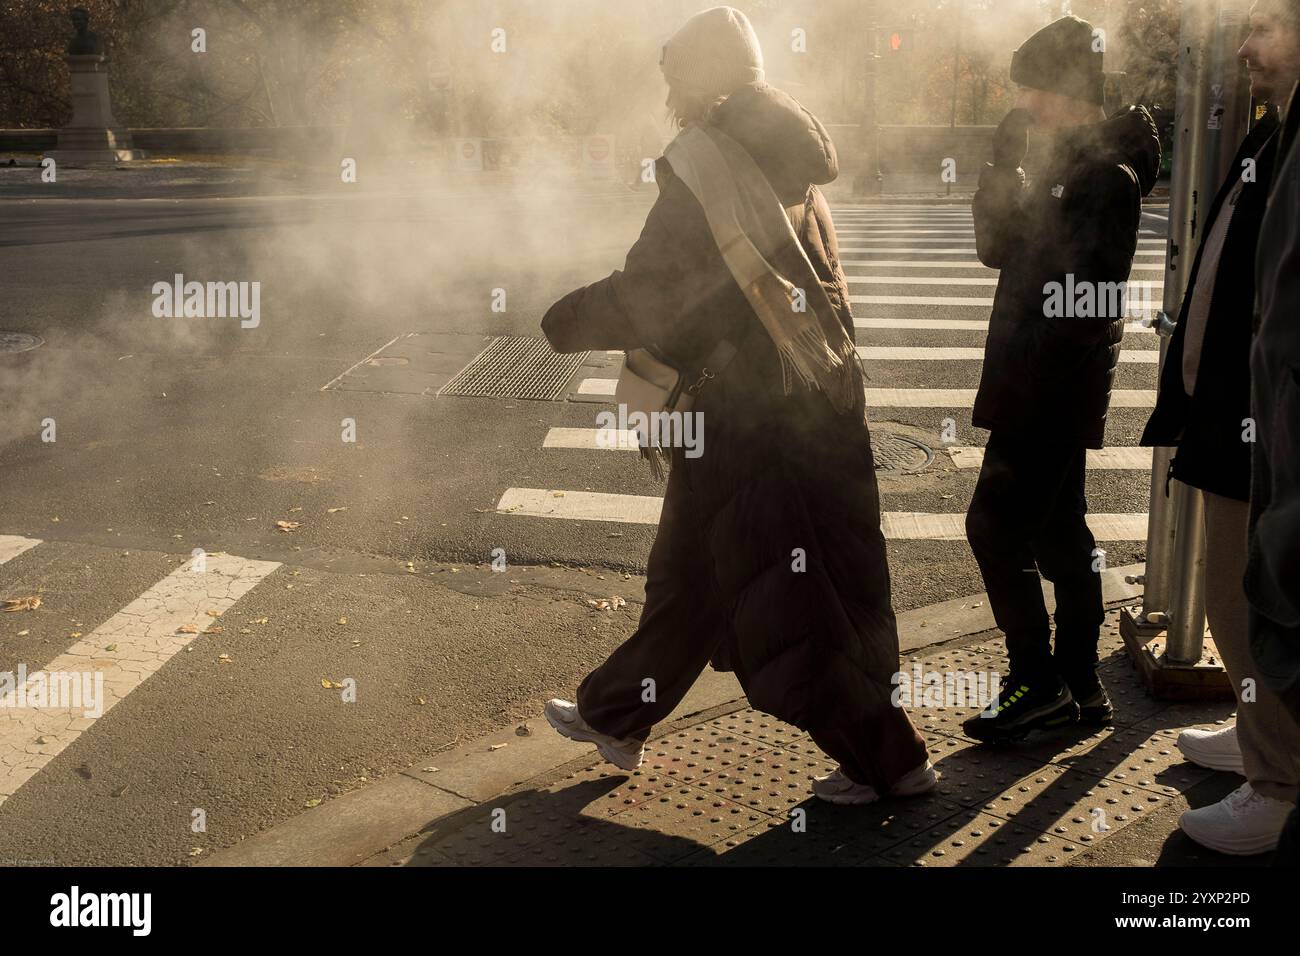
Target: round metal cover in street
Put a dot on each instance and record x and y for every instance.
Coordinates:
(899, 452)
(19, 341)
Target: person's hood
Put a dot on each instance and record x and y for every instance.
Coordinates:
(787, 142)
(1128, 137)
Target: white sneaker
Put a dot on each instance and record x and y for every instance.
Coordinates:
(1212, 749)
(1242, 823)
(564, 717)
(835, 787)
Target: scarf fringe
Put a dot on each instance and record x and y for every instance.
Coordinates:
(810, 359)
(660, 460)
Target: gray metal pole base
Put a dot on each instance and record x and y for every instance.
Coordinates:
(1164, 679)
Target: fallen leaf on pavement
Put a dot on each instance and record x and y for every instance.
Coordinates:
(30, 603)
(333, 685)
(312, 803)
(287, 525)
(111, 647)
(336, 510)
(343, 620)
(497, 746)
(187, 629)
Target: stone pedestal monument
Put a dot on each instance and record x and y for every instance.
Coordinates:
(92, 136)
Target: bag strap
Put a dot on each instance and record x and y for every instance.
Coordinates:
(718, 359)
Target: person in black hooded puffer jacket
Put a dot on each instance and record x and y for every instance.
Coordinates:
(769, 558)
(1064, 244)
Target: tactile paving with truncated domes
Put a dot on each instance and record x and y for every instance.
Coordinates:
(980, 839)
(736, 790)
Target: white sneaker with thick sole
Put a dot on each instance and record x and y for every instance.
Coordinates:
(835, 787)
(564, 717)
(1212, 749)
(1242, 824)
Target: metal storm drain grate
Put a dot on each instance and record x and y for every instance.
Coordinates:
(19, 341)
(515, 366)
(899, 453)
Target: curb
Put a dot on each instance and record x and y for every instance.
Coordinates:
(356, 826)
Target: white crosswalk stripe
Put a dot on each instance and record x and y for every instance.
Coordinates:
(855, 267)
(1098, 459)
(645, 509)
(916, 397)
(962, 301)
(932, 353)
(12, 545)
(973, 325)
(907, 353)
(967, 250)
(965, 398)
(44, 714)
(962, 456)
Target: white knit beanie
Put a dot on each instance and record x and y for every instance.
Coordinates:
(714, 54)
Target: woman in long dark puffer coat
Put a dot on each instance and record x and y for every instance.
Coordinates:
(769, 559)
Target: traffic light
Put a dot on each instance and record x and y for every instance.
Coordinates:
(898, 42)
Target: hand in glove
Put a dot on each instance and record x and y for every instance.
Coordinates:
(1011, 139)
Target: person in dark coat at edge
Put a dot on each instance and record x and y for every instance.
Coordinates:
(1273, 546)
(769, 558)
(1203, 409)
(1061, 241)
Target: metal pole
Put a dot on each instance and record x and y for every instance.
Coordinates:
(1186, 634)
(1210, 121)
(1225, 126)
(956, 70)
(1189, 128)
(870, 180)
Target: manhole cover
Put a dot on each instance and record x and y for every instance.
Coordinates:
(515, 366)
(19, 342)
(900, 453)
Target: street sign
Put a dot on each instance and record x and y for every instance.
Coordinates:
(468, 154)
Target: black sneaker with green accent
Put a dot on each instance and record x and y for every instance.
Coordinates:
(1023, 706)
(1095, 709)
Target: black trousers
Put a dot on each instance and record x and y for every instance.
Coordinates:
(1027, 518)
(682, 627)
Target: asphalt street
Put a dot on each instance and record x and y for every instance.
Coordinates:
(369, 558)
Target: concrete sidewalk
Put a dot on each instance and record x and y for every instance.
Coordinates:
(724, 784)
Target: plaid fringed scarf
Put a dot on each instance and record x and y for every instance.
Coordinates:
(768, 262)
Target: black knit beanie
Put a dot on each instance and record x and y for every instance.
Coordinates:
(1061, 58)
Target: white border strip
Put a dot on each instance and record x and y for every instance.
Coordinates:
(143, 636)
